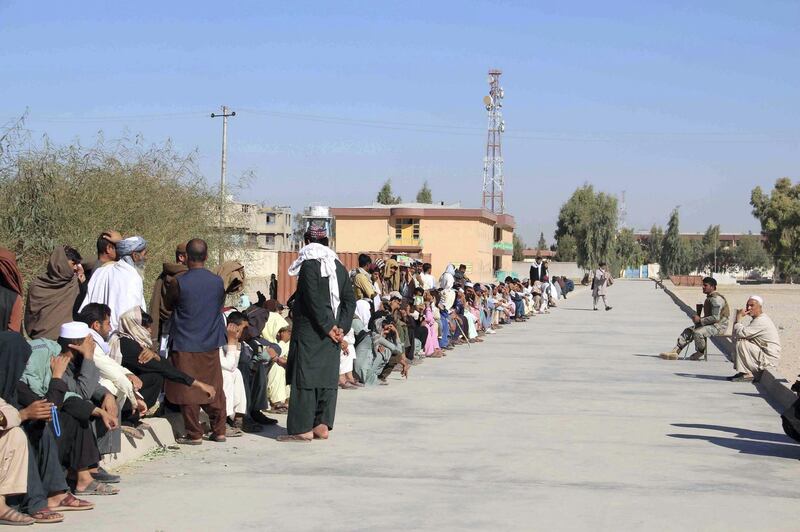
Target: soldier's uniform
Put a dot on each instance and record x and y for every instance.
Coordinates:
(716, 313)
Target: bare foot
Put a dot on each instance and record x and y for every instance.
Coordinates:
(320, 432)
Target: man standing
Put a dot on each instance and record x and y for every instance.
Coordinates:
(197, 331)
(714, 321)
(758, 345)
(602, 280)
(428, 280)
(362, 285)
(323, 310)
(538, 270)
(170, 271)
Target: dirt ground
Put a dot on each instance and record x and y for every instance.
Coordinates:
(781, 303)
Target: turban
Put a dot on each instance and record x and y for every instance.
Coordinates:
(130, 245)
(317, 232)
(759, 299)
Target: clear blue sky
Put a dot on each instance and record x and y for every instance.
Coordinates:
(676, 103)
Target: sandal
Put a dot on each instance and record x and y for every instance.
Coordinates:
(185, 440)
(217, 438)
(97, 488)
(70, 503)
(14, 518)
(47, 516)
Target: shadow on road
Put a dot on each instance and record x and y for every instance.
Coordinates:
(644, 355)
(740, 433)
(746, 441)
(700, 376)
(566, 308)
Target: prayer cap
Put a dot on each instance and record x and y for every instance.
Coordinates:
(759, 299)
(74, 329)
(395, 294)
(469, 285)
(130, 245)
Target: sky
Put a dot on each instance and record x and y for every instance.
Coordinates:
(677, 103)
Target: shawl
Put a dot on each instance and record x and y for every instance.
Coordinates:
(10, 276)
(14, 355)
(170, 271)
(130, 326)
(447, 279)
(232, 274)
(118, 285)
(51, 298)
(392, 280)
(327, 259)
(363, 311)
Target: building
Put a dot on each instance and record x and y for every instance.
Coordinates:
(529, 254)
(255, 226)
(481, 240)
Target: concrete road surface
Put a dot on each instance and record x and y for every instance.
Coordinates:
(566, 422)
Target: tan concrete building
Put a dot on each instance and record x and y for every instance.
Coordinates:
(481, 240)
(255, 226)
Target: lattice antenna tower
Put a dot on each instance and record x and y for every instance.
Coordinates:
(623, 213)
(493, 181)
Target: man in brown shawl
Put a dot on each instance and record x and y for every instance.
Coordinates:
(161, 314)
(232, 275)
(10, 292)
(51, 296)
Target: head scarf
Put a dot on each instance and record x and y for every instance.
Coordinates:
(10, 276)
(393, 279)
(130, 326)
(51, 297)
(447, 279)
(128, 246)
(14, 354)
(327, 263)
(363, 311)
(317, 232)
(232, 274)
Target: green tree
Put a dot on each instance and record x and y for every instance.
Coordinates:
(566, 249)
(779, 214)
(386, 196)
(654, 244)
(542, 242)
(590, 219)
(519, 247)
(628, 251)
(673, 249)
(749, 254)
(424, 194)
(711, 250)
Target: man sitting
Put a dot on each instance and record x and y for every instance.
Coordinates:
(757, 343)
(714, 321)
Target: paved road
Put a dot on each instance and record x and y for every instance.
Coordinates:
(566, 422)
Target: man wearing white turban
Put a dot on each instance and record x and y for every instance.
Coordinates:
(119, 284)
(758, 345)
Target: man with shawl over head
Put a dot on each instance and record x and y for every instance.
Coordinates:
(322, 314)
(51, 296)
(10, 292)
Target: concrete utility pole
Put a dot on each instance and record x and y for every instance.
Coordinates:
(225, 114)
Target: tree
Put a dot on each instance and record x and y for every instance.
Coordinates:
(590, 219)
(424, 194)
(386, 196)
(779, 214)
(749, 254)
(519, 247)
(654, 244)
(542, 242)
(673, 250)
(566, 249)
(628, 251)
(711, 250)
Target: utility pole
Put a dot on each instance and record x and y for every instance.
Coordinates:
(225, 114)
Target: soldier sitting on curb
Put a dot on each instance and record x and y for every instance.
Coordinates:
(713, 322)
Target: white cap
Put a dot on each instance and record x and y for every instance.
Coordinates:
(759, 299)
(74, 329)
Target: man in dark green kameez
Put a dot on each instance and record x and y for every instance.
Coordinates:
(322, 314)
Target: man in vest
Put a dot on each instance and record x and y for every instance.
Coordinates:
(197, 331)
(713, 322)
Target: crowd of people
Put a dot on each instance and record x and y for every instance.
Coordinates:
(85, 360)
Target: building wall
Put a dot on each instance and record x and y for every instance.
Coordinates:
(354, 235)
(467, 242)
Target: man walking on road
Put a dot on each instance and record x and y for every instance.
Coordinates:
(714, 321)
(322, 313)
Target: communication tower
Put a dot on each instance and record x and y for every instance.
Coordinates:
(493, 181)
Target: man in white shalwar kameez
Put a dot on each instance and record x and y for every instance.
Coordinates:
(758, 345)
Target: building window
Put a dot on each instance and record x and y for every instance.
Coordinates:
(270, 240)
(270, 218)
(406, 229)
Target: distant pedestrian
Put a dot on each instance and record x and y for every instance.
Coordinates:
(602, 280)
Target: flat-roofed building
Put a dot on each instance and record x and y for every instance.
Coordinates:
(477, 238)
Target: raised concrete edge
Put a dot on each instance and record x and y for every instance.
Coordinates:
(158, 436)
(778, 388)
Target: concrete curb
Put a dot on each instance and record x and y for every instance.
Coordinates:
(778, 388)
(160, 435)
